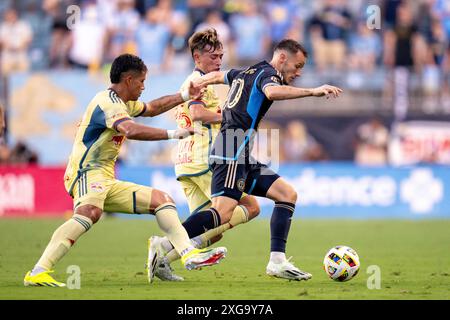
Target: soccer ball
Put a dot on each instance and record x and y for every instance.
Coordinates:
(341, 263)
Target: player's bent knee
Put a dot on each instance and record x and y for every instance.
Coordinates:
(225, 207)
(159, 198)
(282, 191)
(254, 210)
(251, 206)
(92, 212)
(225, 215)
(291, 195)
(287, 194)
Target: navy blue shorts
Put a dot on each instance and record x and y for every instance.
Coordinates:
(232, 178)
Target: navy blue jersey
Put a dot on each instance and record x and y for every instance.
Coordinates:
(246, 102)
(246, 105)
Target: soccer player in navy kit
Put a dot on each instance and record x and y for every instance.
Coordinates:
(252, 92)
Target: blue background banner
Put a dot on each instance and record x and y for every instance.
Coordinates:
(337, 190)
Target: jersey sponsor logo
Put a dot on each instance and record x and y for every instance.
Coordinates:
(185, 152)
(250, 71)
(118, 140)
(96, 187)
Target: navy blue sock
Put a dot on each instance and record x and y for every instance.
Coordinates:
(280, 224)
(197, 223)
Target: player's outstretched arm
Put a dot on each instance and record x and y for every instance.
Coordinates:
(165, 103)
(137, 131)
(288, 92)
(215, 77)
(197, 110)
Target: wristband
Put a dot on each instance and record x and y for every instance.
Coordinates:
(185, 95)
(171, 134)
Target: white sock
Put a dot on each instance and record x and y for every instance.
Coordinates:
(197, 241)
(167, 246)
(277, 257)
(36, 270)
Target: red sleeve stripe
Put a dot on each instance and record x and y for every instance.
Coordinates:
(117, 122)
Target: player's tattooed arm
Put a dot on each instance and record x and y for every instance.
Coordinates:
(289, 92)
(165, 103)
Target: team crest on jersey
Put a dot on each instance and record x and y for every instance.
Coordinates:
(96, 187)
(250, 71)
(275, 79)
(241, 185)
(184, 121)
(118, 140)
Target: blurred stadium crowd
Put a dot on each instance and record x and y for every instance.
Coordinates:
(40, 34)
(409, 52)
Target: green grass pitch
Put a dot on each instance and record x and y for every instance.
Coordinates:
(413, 258)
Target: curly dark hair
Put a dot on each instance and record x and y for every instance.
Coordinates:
(203, 39)
(125, 63)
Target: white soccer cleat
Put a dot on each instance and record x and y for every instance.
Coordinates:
(286, 270)
(154, 255)
(198, 258)
(165, 272)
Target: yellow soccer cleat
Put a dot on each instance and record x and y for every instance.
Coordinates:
(197, 258)
(42, 279)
